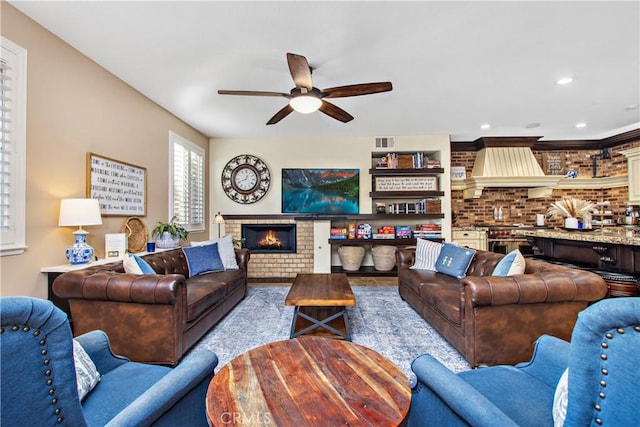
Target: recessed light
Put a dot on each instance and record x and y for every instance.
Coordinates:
(564, 81)
(532, 125)
(631, 107)
(581, 125)
(485, 126)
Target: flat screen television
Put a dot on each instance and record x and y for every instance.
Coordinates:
(321, 191)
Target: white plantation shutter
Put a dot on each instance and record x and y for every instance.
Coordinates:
(187, 183)
(13, 107)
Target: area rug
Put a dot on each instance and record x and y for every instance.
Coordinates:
(381, 320)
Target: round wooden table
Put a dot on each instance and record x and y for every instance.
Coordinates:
(309, 381)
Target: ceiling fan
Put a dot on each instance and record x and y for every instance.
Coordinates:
(306, 98)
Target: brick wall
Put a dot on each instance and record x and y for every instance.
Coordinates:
(274, 266)
(515, 203)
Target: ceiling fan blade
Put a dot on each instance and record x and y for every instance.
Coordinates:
(253, 93)
(336, 112)
(284, 112)
(300, 70)
(356, 90)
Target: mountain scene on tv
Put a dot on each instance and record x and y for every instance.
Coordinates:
(321, 191)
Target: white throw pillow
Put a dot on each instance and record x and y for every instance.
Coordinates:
(513, 263)
(130, 265)
(225, 249)
(560, 399)
(427, 253)
(87, 376)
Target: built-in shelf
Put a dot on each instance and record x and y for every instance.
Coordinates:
(392, 242)
(388, 217)
(542, 186)
(404, 194)
(406, 172)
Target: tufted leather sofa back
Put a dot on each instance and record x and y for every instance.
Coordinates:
(169, 262)
(483, 263)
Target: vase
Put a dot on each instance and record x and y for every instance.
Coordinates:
(167, 241)
(571, 222)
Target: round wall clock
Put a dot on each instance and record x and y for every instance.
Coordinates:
(246, 179)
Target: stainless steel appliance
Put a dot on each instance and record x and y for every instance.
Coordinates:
(503, 239)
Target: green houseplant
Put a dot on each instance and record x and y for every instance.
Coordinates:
(169, 234)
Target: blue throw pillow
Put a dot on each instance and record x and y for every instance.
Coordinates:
(203, 259)
(454, 260)
(144, 265)
(136, 265)
(511, 264)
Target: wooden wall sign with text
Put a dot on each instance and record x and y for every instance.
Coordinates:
(406, 183)
(120, 187)
(553, 163)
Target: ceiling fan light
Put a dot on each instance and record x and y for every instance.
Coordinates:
(305, 104)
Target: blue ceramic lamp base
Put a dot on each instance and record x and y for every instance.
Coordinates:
(80, 252)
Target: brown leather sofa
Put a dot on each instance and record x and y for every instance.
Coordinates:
(494, 320)
(152, 318)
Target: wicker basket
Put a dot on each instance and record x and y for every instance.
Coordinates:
(384, 257)
(351, 257)
(136, 234)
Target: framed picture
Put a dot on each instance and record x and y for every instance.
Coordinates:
(120, 187)
(321, 191)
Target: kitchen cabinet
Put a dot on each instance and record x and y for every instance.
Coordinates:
(633, 173)
(475, 239)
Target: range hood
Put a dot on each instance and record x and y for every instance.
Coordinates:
(509, 162)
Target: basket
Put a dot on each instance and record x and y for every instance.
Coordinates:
(351, 257)
(136, 234)
(384, 257)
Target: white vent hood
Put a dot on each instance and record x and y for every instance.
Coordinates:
(509, 162)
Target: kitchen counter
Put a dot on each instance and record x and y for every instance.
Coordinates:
(613, 235)
(469, 228)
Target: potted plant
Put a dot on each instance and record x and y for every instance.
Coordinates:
(169, 234)
(570, 209)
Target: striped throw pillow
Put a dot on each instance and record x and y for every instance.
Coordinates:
(427, 253)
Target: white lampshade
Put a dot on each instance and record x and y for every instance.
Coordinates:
(218, 219)
(79, 212)
(305, 104)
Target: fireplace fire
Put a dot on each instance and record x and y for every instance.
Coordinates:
(269, 238)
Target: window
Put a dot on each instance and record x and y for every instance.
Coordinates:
(13, 147)
(186, 197)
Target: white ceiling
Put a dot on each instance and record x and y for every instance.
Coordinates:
(454, 65)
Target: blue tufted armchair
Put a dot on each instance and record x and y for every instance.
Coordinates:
(38, 376)
(603, 386)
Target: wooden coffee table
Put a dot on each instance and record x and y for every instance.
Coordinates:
(309, 381)
(320, 302)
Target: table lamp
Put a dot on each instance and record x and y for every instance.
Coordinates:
(218, 219)
(79, 212)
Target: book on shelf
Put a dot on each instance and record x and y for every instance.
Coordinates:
(351, 231)
(363, 231)
(428, 227)
(404, 232)
(338, 233)
(418, 160)
(383, 236)
(421, 207)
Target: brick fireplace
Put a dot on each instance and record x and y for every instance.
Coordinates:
(273, 265)
(269, 238)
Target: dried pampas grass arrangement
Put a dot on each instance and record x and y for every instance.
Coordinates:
(570, 208)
